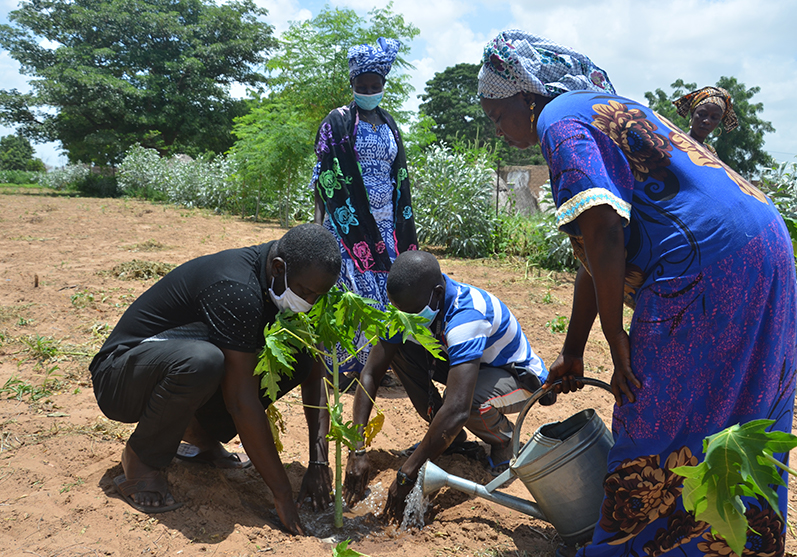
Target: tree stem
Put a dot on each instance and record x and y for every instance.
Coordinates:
(338, 465)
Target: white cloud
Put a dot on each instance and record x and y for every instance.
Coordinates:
(644, 45)
(282, 12)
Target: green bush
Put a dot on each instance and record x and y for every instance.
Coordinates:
(66, 178)
(452, 201)
(19, 177)
(780, 183)
(204, 182)
(536, 238)
(97, 185)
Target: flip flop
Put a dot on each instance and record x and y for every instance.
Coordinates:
(157, 484)
(233, 461)
(496, 469)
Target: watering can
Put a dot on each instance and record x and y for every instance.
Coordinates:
(563, 466)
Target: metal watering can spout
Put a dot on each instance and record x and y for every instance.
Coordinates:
(562, 467)
(435, 478)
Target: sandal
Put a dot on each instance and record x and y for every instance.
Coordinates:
(153, 484)
(233, 461)
(564, 550)
(496, 469)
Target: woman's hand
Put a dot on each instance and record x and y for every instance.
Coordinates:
(621, 357)
(568, 368)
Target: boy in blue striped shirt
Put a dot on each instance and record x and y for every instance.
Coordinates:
(490, 370)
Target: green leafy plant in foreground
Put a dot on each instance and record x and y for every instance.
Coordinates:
(335, 318)
(558, 325)
(343, 550)
(739, 462)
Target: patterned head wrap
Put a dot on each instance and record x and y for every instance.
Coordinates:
(714, 95)
(365, 58)
(516, 61)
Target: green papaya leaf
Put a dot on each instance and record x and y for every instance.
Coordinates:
(343, 550)
(411, 325)
(347, 433)
(739, 461)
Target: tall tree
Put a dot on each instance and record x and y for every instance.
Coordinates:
(451, 99)
(311, 68)
(110, 73)
(309, 77)
(743, 148)
(16, 153)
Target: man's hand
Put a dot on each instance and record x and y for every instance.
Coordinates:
(396, 501)
(289, 514)
(316, 484)
(569, 369)
(358, 471)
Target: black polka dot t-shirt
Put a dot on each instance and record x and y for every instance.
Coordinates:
(221, 297)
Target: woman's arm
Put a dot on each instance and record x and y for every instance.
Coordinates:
(569, 365)
(602, 230)
(319, 209)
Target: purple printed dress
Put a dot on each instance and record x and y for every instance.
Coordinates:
(376, 152)
(711, 273)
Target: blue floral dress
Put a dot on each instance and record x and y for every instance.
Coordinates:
(710, 272)
(376, 150)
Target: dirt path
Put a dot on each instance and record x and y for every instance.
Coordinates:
(58, 455)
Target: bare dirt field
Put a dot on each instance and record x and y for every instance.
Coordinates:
(59, 298)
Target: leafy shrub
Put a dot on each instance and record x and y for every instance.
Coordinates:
(205, 182)
(140, 174)
(780, 182)
(452, 201)
(19, 177)
(97, 185)
(536, 238)
(64, 178)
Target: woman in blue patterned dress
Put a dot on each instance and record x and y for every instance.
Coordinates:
(703, 257)
(362, 189)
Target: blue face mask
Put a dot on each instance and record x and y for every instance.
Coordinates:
(368, 102)
(429, 313)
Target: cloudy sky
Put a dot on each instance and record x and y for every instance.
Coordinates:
(642, 44)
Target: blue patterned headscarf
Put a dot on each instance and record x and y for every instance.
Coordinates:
(516, 61)
(365, 58)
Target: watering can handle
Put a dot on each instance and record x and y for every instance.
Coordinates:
(542, 391)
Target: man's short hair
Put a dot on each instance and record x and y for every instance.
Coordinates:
(309, 245)
(411, 273)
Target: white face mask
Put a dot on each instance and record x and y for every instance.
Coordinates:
(289, 299)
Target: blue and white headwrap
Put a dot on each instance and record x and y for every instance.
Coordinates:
(516, 61)
(365, 58)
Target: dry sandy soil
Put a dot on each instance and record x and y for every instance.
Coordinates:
(58, 454)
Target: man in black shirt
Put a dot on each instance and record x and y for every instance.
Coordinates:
(180, 362)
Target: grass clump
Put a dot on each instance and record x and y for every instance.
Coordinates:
(141, 270)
